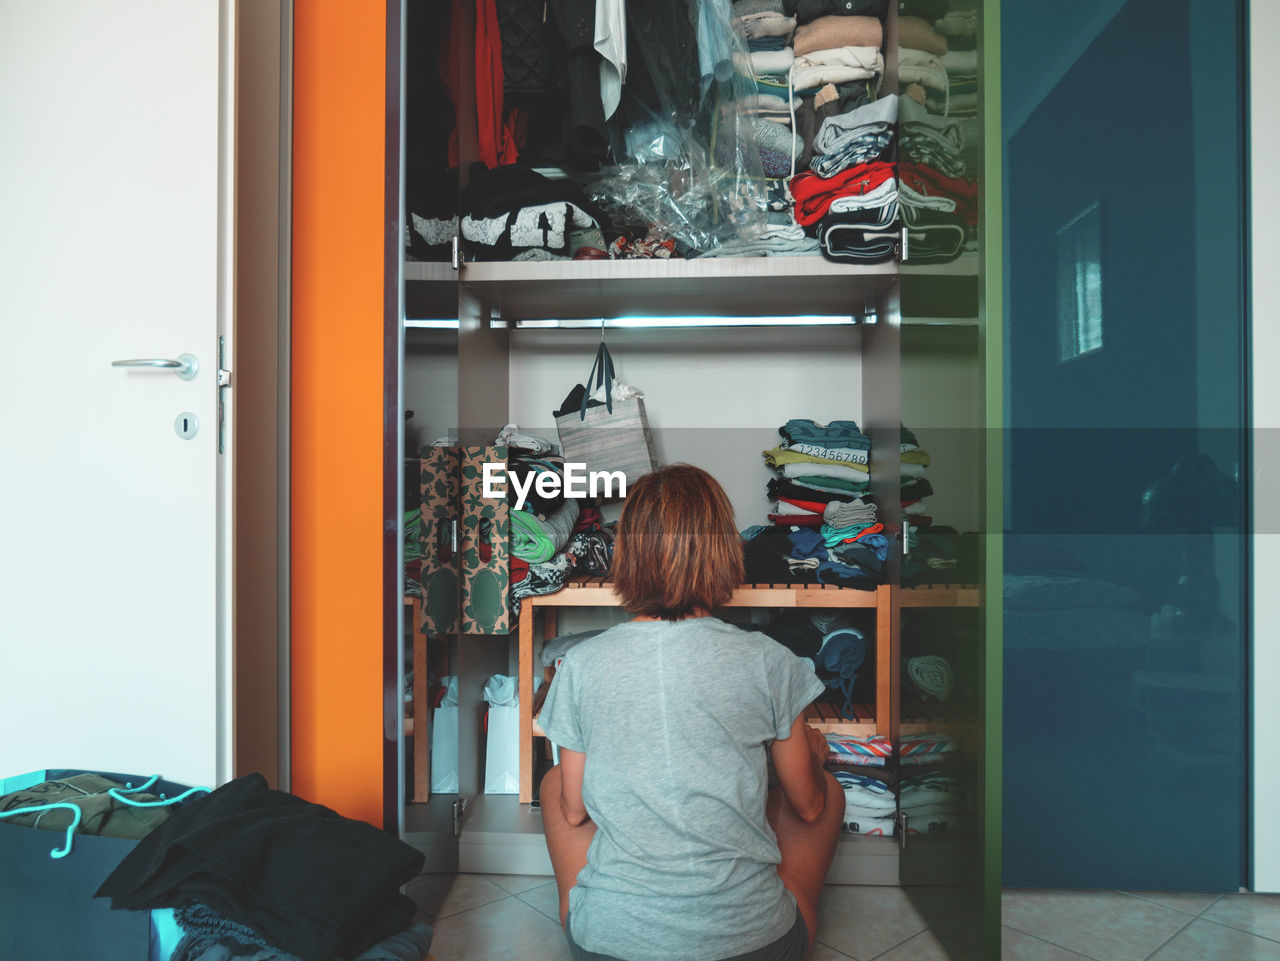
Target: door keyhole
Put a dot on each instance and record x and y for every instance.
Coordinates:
(186, 424)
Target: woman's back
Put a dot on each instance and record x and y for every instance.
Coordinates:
(674, 718)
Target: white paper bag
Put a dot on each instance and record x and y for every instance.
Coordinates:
(444, 750)
(444, 740)
(502, 755)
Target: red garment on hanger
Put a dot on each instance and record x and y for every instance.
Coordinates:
(495, 126)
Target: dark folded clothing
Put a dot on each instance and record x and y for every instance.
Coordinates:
(306, 879)
(915, 489)
(933, 236)
(492, 193)
(806, 10)
(867, 236)
(765, 559)
(782, 487)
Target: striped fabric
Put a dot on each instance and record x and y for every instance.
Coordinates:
(923, 748)
(870, 751)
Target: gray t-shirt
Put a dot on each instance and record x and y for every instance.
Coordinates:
(675, 719)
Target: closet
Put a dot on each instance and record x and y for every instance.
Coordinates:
(726, 349)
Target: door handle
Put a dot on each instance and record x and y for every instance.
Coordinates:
(185, 366)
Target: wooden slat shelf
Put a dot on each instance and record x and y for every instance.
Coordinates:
(826, 718)
(916, 717)
(940, 595)
(598, 592)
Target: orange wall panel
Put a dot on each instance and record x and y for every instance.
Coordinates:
(339, 99)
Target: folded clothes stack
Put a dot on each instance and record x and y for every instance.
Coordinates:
(516, 213)
(825, 519)
(913, 463)
(927, 748)
(552, 536)
(851, 750)
(433, 216)
(869, 804)
(934, 802)
(939, 204)
(831, 458)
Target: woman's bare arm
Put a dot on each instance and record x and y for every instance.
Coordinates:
(572, 766)
(798, 761)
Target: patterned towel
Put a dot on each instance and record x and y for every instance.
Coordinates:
(924, 748)
(870, 751)
(873, 827)
(866, 793)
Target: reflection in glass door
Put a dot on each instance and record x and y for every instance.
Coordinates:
(1124, 596)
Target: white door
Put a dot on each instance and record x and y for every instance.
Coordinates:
(111, 198)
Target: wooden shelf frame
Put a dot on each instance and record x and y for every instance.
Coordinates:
(419, 726)
(884, 600)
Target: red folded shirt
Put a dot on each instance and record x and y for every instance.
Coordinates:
(813, 194)
(797, 520)
(927, 181)
(813, 507)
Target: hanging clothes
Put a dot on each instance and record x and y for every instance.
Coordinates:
(611, 44)
(495, 126)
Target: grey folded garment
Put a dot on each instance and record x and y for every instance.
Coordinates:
(745, 8)
(842, 129)
(557, 647)
(803, 563)
(757, 26)
(766, 247)
(931, 676)
(849, 513)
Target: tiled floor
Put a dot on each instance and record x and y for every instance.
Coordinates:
(512, 918)
(1116, 926)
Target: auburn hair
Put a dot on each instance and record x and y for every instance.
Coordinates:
(677, 551)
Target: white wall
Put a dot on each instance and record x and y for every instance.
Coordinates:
(430, 386)
(715, 398)
(1264, 80)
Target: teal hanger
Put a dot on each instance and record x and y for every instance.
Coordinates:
(117, 794)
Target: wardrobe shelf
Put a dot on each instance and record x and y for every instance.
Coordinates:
(940, 595)
(713, 286)
(710, 286)
(598, 592)
(826, 718)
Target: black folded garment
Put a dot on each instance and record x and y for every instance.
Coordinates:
(782, 487)
(806, 11)
(933, 236)
(307, 879)
(764, 559)
(867, 236)
(492, 193)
